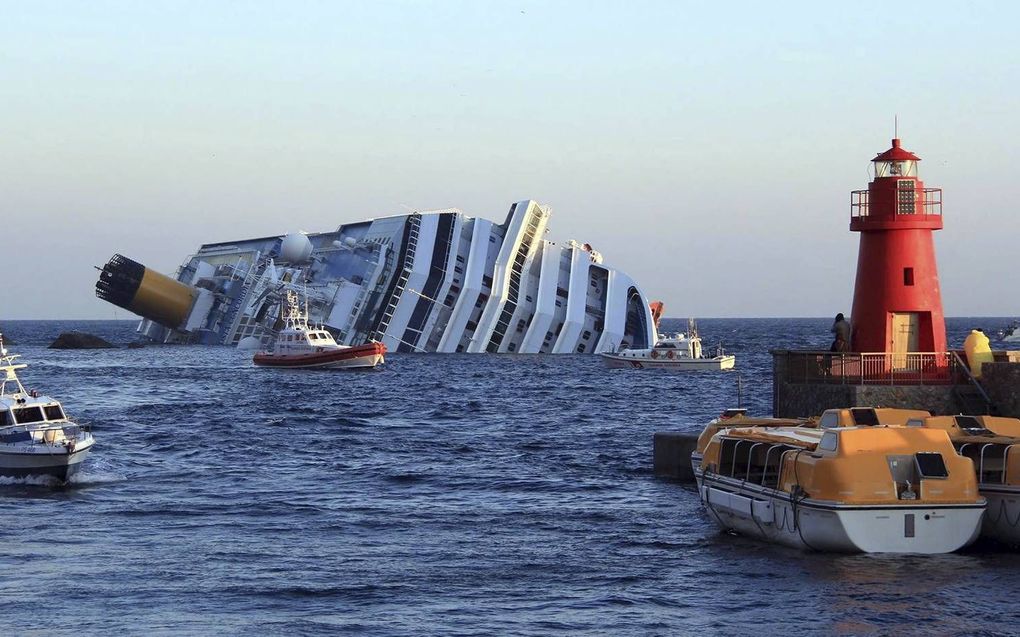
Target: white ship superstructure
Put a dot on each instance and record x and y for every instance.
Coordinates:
(436, 281)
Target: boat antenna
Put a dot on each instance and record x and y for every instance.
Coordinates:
(896, 126)
(740, 393)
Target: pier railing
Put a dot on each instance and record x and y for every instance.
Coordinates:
(881, 368)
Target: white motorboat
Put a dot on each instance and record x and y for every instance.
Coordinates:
(861, 488)
(677, 351)
(36, 436)
(298, 345)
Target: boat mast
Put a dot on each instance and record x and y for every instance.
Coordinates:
(10, 370)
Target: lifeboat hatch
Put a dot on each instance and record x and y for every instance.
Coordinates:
(864, 417)
(931, 464)
(904, 474)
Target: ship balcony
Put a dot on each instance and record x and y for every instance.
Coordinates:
(914, 208)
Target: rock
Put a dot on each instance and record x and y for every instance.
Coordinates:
(80, 340)
(135, 345)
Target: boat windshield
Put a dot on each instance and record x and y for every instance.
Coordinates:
(54, 412)
(28, 414)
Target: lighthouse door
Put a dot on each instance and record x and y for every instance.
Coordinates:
(904, 337)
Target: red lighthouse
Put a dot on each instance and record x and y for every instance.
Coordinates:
(897, 305)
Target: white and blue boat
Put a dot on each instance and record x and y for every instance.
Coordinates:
(37, 439)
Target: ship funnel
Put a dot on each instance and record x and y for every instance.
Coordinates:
(132, 286)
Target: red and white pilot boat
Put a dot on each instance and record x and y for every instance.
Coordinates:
(300, 346)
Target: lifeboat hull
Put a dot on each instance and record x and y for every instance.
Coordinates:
(831, 527)
(1002, 518)
(357, 357)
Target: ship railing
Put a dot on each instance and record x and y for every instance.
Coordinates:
(878, 368)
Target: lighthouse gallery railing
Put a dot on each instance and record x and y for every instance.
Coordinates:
(931, 203)
(881, 368)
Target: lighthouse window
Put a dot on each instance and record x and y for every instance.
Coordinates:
(908, 276)
(906, 197)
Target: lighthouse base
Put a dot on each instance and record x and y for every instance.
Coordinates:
(796, 400)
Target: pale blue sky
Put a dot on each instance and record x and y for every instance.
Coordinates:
(707, 150)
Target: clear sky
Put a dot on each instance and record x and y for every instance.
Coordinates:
(707, 149)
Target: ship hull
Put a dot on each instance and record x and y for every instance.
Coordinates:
(774, 516)
(359, 357)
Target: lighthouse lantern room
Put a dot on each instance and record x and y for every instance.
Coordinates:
(897, 305)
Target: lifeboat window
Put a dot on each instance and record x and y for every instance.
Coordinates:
(773, 465)
(830, 420)
(931, 465)
(5, 418)
(828, 442)
(971, 425)
(28, 414)
(756, 459)
(54, 412)
(864, 417)
(726, 454)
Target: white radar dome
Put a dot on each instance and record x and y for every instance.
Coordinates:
(249, 344)
(296, 248)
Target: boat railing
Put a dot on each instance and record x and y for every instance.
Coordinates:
(871, 368)
(70, 429)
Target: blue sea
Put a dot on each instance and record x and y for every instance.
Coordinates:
(445, 495)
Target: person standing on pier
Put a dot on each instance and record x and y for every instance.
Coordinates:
(841, 331)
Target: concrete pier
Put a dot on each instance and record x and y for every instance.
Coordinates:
(672, 455)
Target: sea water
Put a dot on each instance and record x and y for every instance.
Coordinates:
(445, 494)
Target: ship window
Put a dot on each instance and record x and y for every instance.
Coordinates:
(54, 412)
(5, 418)
(586, 335)
(511, 347)
(931, 464)
(313, 336)
(28, 414)
(580, 348)
(908, 276)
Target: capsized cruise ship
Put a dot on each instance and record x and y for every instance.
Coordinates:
(436, 281)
